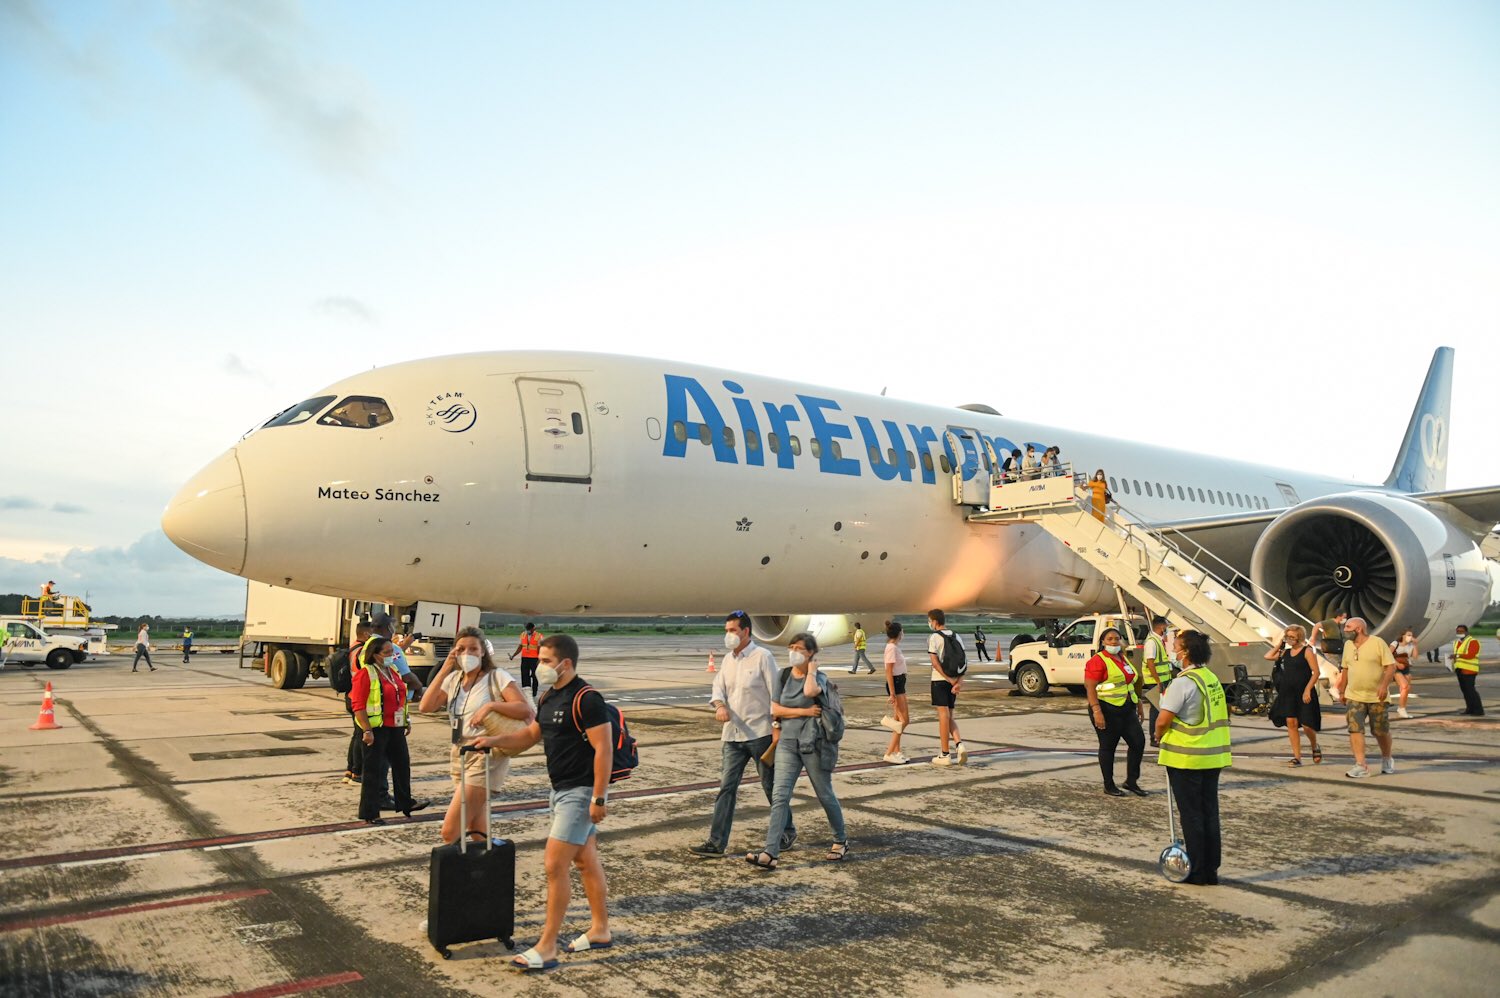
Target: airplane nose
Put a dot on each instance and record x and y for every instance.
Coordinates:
(206, 518)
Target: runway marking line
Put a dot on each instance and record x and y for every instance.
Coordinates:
(299, 987)
(37, 923)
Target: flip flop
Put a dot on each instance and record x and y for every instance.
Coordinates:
(584, 943)
(532, 960)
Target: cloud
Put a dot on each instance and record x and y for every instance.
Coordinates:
(237, 368)
(31, 30)
(262, 48)
(68, 508)
(148, 576)
(18, 502)
(345, 307)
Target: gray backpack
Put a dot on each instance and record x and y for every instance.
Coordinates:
(831, 722)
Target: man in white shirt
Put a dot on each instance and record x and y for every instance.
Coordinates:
(743, 690)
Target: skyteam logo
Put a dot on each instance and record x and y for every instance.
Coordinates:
(452, 413)
(1434, 437)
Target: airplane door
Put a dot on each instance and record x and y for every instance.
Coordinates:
(556, 420)
(972, 457)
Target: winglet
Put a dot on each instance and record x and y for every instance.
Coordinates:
(1422, 464)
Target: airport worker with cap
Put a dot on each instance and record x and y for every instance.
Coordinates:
(529, 649)
(1193, 729)
(1466, 668)
(1110, 682)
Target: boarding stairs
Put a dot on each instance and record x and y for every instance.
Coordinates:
(1166, 572)
(56, 611)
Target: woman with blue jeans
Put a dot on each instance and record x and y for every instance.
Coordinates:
(802, 746)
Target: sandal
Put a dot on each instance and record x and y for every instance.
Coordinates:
(1295, 763)
(837, 852)
(761, 860)
(1317, 753)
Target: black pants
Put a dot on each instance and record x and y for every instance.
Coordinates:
(1472, 703)
(355, 761)
(388, 749)
(1152, 716)
(186, 651)
(984, 656)
(141, 651)
(1197, 795)
(528, 675)
(1120, 722)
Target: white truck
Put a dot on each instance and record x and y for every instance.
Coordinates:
(28, 644)
(293, 635)
(1037, 665)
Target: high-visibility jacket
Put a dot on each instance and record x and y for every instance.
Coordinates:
(1119, 680)
(1466, 654)
(859, 640)
(1204, 745)
(373, 705)
(1157, 669)
(531, 644)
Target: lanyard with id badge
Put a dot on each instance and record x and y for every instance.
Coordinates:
(458, 719)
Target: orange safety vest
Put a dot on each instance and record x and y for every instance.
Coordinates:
(531, 644)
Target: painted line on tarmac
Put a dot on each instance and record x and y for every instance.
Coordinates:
(300, 987)
(94, 857)
(37, 923)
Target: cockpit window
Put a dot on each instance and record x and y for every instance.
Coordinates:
(362, 412)
(299, 413)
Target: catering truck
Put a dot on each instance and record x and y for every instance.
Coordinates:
(292, 636)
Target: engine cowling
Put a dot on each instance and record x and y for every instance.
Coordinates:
(1391, 560)
(779, 629)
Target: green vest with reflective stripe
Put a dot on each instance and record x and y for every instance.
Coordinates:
(1459, 661)
(1204, 745)
(1118, 686)
(373, 713)
(1158, 669)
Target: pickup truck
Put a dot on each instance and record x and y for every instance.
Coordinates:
(29, 644)
(1059, 661)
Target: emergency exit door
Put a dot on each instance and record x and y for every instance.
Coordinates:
(558, 448)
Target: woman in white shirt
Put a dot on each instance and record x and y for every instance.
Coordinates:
(895, 693)
(470, 686)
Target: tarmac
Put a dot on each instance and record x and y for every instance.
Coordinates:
(186, 833)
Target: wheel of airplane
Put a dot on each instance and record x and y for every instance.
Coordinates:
(1031, 680)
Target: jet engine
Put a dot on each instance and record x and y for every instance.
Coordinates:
(779, 629)
(1391, 560)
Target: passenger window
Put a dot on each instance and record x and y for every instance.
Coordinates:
(578, 423)
(299, 413)
(894, 460)
(1221, 498)
(752, 440)
(911, 460)
(679, 431)
(796, 446)
(874, 454)
(1135, 486)
(945, 464)
(774, 442)
(705, 435)
(926, 461)
(1160, 494)
(728, 437)
(360, 412)
(838, 452)
(817, 447)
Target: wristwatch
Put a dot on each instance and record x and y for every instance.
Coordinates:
(600, 801)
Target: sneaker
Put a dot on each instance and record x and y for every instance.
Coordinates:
(1387, 765)
(890, 722)
(894, 758)
(788, 840)
(902, 756)
(963, 754)
(1357, 773)
(1401, 713)
(942, 760)
(707, 851)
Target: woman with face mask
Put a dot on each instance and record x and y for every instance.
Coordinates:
(1111, 682)
(470, 686)
(1100, 494)
(1405, 651)
(796, 707)
(379, 699)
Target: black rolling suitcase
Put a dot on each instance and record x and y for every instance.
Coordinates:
(472, 891)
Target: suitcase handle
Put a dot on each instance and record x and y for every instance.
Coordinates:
(463, 801)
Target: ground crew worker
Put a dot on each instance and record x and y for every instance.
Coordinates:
(187, 644)
(1193, 729)
(859, 650)
(1109, 680)
(1466, 668)
(529, 649)
(1156, 668)
(380, 708)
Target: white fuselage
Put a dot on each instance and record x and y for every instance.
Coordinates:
(534, 482)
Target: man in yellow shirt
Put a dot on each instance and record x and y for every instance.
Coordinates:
(1363, 683)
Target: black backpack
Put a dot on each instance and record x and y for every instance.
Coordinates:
(627, 753)
(953, 661)
(340, 671)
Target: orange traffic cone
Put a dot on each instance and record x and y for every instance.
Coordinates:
(710, 663)
(45, 720)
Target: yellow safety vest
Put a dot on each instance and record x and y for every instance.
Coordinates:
(373, 711)
(859, 640)
(1468, 663)
(1118, 685)
(1158, 670)
(1204, 745)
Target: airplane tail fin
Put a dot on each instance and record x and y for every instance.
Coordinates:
(1422, 463)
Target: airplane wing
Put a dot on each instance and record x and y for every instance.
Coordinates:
(1481, 504)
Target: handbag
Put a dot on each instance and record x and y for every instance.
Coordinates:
(498, 724)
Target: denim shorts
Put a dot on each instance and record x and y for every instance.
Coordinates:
(570, 815)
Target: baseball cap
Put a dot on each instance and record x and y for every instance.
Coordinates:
(380, 620)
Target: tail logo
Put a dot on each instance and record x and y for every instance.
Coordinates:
(1433, 435)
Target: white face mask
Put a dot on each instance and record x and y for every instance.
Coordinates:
(731, 640)
(1112, 649)
(797, 658)
(469, 662)
(546, 675)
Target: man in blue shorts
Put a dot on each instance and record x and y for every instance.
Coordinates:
(574, 729)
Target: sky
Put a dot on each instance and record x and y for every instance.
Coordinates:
(1239, 228)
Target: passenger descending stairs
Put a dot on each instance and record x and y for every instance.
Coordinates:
(1195, 590)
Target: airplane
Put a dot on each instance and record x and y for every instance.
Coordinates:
(541, 482)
